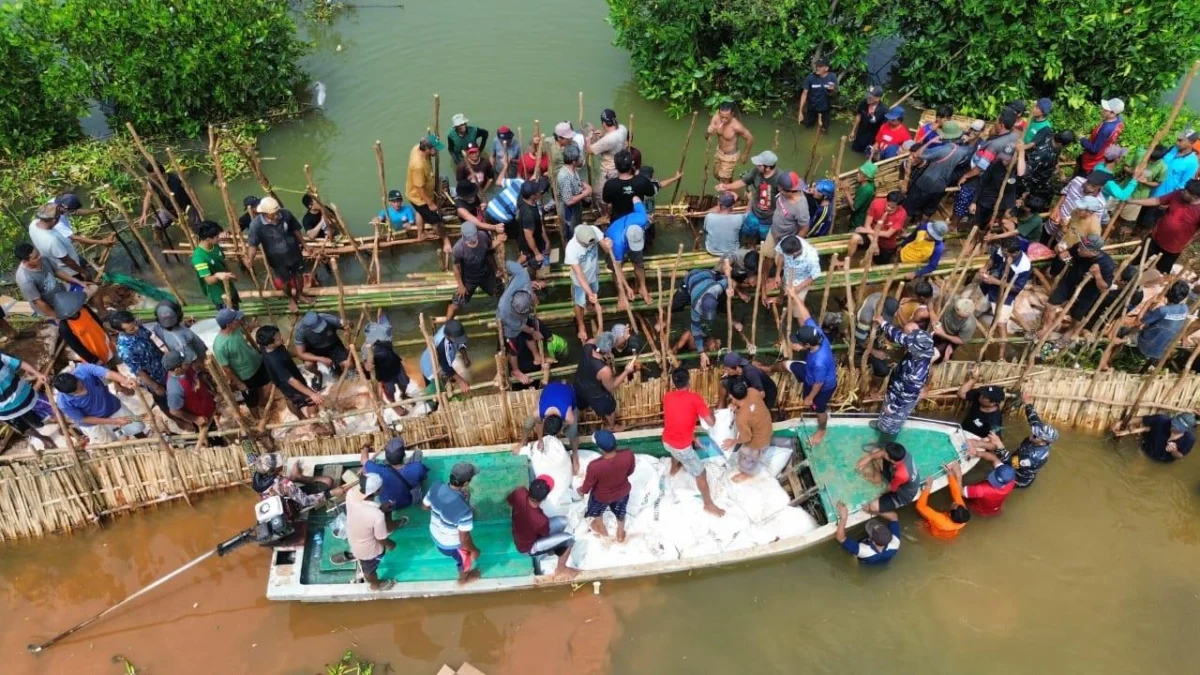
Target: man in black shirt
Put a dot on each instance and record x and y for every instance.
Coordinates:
(984, 416)
(281, 237)
(988, 188)
(250, 202)
(475, 266)
(469, 206)
(285, 375)
(317, 342)
(533, 244)
(1089, 266)
(868, 118)
(735, 367)
(619, 192)
(313, 223)
(1166, 439)
(819, 89)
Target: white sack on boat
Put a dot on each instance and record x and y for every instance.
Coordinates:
(552, 459)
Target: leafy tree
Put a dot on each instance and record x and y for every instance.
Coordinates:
(980, 54)
(173, 65)
(33, 116)
(755, 52)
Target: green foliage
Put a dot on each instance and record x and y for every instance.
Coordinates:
(1143, 120)
(33, 116)
(754, 52)
(980, 54)
(350, 665)
(170, 66)
(324, 11)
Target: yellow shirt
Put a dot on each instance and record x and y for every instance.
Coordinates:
(420, 175)
(918, 250)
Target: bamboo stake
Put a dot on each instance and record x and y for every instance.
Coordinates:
(160, 234)
(346, 232)
(180, 216)
(251, 157)
(437, 159)
(663, 330)
(682, 160)
(160, 436)
(116, 202)
(383, 189)
(581, 110)
(1003, 186)
(729, 314)
(812, 151)
(628, 132)
(437, 381)
(775, 143)
(226, 392)
(187, 186)
(825, 293)
(622, 288)
(754, 312)
(117, 235)
(707, 161)
(667, 347)
(230, 212)
(837, 167)
(853, 324)
(537, 151)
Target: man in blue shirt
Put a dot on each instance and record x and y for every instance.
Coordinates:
(452, 519)
(84, 398)
(401, 474)
(399, 215)
(1182, 164)
(1162, 325)
(702, 291)
(818, 371)
(881, 544)
(556, 409)
(449, 342)
(502, 209)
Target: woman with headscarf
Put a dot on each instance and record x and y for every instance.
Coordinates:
(908, 377)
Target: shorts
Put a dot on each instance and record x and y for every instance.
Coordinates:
(603, 406)
(336, 351)
(107, 433)
(427, 214)
(1005, 312)
(753, 226)
(30, 420)
(1165, 261)
(724, 165)
(962, 202)
(290, 275)
(821, 402)
(1061, 294)
(455, 554)
(879, 367)
(748, 461)
(891, 501)
(254, 386)
(369, 566)
(688, 458)
(490, 285)
(1131, 212)
(811, 115)
(884, 256)
(596, 508)
(580, 296)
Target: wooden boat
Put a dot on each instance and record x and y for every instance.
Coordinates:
(302, 570)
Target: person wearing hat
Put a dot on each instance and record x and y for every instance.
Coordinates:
(723, 227)
(208, 259)
(924, 245)
(533, 242)
(1088, 266)
(506, 154)
(382, 363)
(1033, 453)
(819, 88)
(1140, 186)
(868, 118)
(582, 257)
(907, 379)
(452, 519)
(891, 135)
(241, 363)
(318, 343)
(368, 531)
(461, 135)
(890, 464)
(302, 401)
(1165, 438)
(67, 205)
(1181, 162)
(1008, 267)
(573, 190)
(476, 168)
(141, 355)
(987, 497)
(984, 416)
(1113, 163)
(881, 230)
(249, 211)
(174, 334)
(1001, 145)
(399, 216)
(866, 315)
(281, 237)
(816, 371)
(190, 401)
(269, 478)
(401, 474)
(84, 398)
(1081, 195)
(606, 484)
(468, 206)
(864, 194)
(703, 292)
(734, 366)
(1039, 122)
(929, 134)
(449, 344)
(596, 379)
(761, 184)
(82, 330)
(537, 534)
(881, 544)
(474, 259)
(954, 329)
(40, 280)
(565, 136)
(22, 408)
(820, 203)
(523, 332)
(626, 194)
(937, 164)
(1103, 135)
(56, 246)
(1041, 165)
(607, 141)
(1007, 165)
(799, 266)
(728, 129)
(556, 409)
(790, 217)
(420, 186)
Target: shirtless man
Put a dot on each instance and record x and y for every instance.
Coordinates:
(728, 128)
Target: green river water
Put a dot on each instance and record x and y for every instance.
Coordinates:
(1093, 570)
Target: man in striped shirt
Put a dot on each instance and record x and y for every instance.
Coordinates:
(18, 401)
(452, 519)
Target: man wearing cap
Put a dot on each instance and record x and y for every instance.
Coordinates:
(1177, 226)
(937, 163)
(452, 519)
(722, 227)
(908, 378)
(1039, 122)
(420, 186)
(174, 334)
(1106, 133)
(1088, 266)
(474, 256)
(820, 86)
(523, 332)
(1008, 267)
(281, 237)
(880, 231)
(250, 206)
(817, 372)
(84, 398)
(241, 363)
(573, 190)
(302, 401)
(924, 245)
(401, 474)
(476, 168)
(864, 194)
(449, 344)
(461, 135)
(891, 135)
(533, 243)
(141, 355)
(868, 118)
(987, 497)
(790, 217)
(468, 206)
(606, 484)
(1081, 193)
(380, 360)
(368, 531)
(189, 400)
(564, 137)
(734, 367)
(40, 280)
(955, 328)
(54, 245)
(993, 160)
(607, 141)
(728, 129)
(596, 379)
(1181, 162)
(506, 154)
(537, 534)
(984, 417)
(582, 256)
(881, 544)
(1001, 145)
(1165, 439)
(208, 259)
(761, 183)
(399, 215)
(702, 292)
(81, 330)
(317, 342)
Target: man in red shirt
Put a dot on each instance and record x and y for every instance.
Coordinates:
(881, 230)
(682, 409)
(535, 533)
(890, 138)
(607, 481)
(1177, 227)
(987, 498)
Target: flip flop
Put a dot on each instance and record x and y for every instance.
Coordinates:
(385, 586)
(401, 522)
(341, 558)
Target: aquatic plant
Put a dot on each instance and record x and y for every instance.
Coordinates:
(350, 664)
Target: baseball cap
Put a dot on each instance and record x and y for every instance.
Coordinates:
(540, 487)
(1114, 105)
(458, 120)
(964, 307)
(227, 316)
(372, 484)
(1001, 476)
(937, 229)
(992, 393)
(434, 141)
(878, 533)
(726, 200)
(472, 149)
(977, 125)
(1045, 105)
(1093, 242)
(47, 212)
(1018, 107)
(764, 158)
(522, 302)
(635, 236)
(734, 360)
(789, 181)
(605, 342)
(822, 62)
(806, 335)
(313, 321)
(393, 451)
(528, 189)
(1007, 117)
(1183, 421)
(563, 130)
(462, 473)
(172, 359)
(585, 235)
(469, 230)
(166, 315)
(505, 133)
(1098, 177)
(1189, 135)
(250, 200)
(1114, 152)
(907, 145)
(455, 332)
(951, 130)
(268, 205)
(896, 113)
(890, 307)
(875, 91)
(377, 332)
(605, 440)
(68, 201)
(395, 196)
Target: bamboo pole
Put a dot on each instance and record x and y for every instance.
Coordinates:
(775, 143)
(812, 151)
(837, 166)
(825, 293)
(251, 157)
(117, 235)
(537, 150)
(353, 346)
(707, 161)
(160, 437)
(628, 132)
(437, 159)
(226, 392)
(156, 172)
(383, 190)
(663, 330)
(670, 305)
(729, 312)
(687, 141)
(581, 110)
(853, 324)
(230, 212)
(757, 293)
(187, 186)
(346, 232)
(437, 381)
(1003, 186)
(622, 288)
(116, 202)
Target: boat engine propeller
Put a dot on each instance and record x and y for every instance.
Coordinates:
(273, 525)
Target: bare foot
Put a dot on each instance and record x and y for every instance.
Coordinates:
(740, 477)
(622, 303)
(598, 526)
(621, 533)
(647, 299)
(566, 573)
(714, 509)
(292, 306)
(468, 577)
(817, 437)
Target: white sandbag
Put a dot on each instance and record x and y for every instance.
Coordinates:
(775, 459)
(552, 459)
(792, 521)
(645, 483)
(724, 426)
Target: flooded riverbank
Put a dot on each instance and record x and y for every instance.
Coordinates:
(1091, 570)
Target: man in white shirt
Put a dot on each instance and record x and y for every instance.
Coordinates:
(582, 256)
(607, 142)
(54, 245)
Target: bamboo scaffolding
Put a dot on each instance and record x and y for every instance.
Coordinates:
(687, 141)
(437, 158)
(160, 437)
(116, 202)
(187, 186)
(157, 174)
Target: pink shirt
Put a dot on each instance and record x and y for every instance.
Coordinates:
(365, 525)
